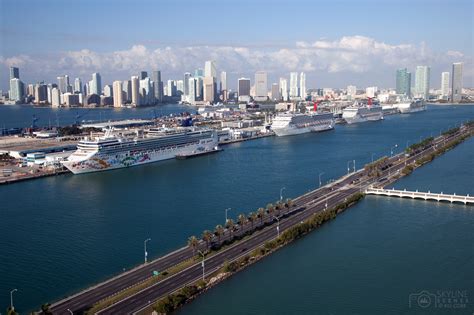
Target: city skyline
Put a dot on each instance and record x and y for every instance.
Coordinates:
(343, 54)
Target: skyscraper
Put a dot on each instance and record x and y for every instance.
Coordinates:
(158, 87)
(41, 93)
(127, 90)
(209, 87)
(422, 81)
(118, 94)
(284, 89)
(135, 91)
(143, 75)
(95, 85)
(223, 86)
(146, 90)
(187, 75)
(108, 91)
(445, 84)
(243, 88)
(303, 85)
(62, 83)
(77, 85)
(55, 97)
(403, 82)
(14, 73)
(16, 90)
(456, 82)
(275, 95)
(293, 85)
(210, 69)
(261, 86)
(192, 90)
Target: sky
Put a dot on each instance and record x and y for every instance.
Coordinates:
(337, 43)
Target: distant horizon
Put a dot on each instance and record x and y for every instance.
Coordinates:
(361, 44)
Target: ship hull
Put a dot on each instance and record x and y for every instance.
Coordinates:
(292, 130)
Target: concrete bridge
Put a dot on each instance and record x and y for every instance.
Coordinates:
(420, 195)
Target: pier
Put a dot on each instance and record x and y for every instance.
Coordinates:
(420, 195)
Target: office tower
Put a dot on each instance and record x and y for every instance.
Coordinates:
(275, 95)
(143, 75)
(456, 82)
(95, 85)
(445, 84)
(14, 73)
(210, 69)
(187, 75)
(243, 88)
(223, 85)
(293, 85)
(158, 87)
(118, 94)
(192, 90)
(303, 85)
(198, 72)
(171, 88)
(68, 86)
(77, 85)
(108, 91)
(208, 89)
(16, 90)
(180, 86)
(41, 93)
(55, 97)
(284, 89)
(30, 90)
(261, 86)
(351, 90)
(422, 81)
(403, 82)
(127, 91)
(146, 91)
(62, 83)
(135, 91)
(199, 88)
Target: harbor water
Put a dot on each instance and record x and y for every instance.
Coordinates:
(64, 233)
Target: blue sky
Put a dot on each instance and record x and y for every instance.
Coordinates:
(40, 37)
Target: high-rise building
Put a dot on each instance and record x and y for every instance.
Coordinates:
(294, 85)
(192, 90)
(14, 73)
(223, 85)
(456, 82)
(243, 88)
(275, 95)
(127, 91)
(187, 75)
(209, 88)
(403, 82)
(198, 73)
(143, 75)
(95, 85)
(199, 88)
(118, 94)
(171, 88)
(62, 83)
(445, 84)
(77, 85)
(135, 91)
(55, 97)
(41, 93)
(158, 87)
(351, 90)
(108, 91)
(422, 81)
(16, 90)
(371, 91)
(261, 86)
(146, 91)
(284, 89)
(210, 69)
(303, 85)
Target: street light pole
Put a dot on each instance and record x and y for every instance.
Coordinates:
(372, 157)
(11, 299)
(70, 312)
(146, 253)
(278, 226)
(202, 264)
(281, 191)
(348, 169)
(226, 214)
(354, 165)
(320, 178)
(391, 149)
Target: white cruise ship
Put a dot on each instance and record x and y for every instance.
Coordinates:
(413, 106)
(362, 112)
(287, 124)
(114, 151)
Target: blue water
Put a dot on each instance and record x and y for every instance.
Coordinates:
(21, 116)
(60, 234)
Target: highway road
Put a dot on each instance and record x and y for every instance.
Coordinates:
(304, 206)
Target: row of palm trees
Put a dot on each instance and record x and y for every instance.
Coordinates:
(242, 219)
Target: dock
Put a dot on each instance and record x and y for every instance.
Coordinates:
(421, 195)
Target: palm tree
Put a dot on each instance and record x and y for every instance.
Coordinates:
(193, 243)
(261, 214)
(230, 225)
(252, 218)
(242, 220)
(219, 231)
(289, 203)
(270, 208)
(45, 309)
(207, 236)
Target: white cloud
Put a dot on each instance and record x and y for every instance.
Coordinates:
(349, 54)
